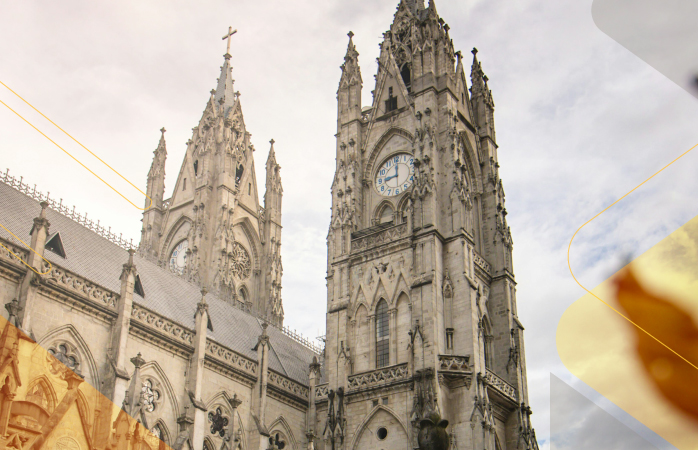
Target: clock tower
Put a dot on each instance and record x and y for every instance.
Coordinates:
(421, 294)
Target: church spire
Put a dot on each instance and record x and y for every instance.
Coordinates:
(351, 72)
(225, 94)
(155, 190)
(273, 308)
(481, 98)
(350, 83)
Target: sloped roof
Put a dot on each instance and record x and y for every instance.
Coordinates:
(101, 261)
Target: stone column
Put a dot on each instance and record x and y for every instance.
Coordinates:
(372, 341)
(393, 336)
(196, 374)
(313, 377)
(234, 402)
(259, 401)
(120, 332)
(32, 278)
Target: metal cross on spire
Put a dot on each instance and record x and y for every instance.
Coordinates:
(227, 36)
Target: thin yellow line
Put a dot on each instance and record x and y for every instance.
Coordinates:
(67, 153)
(614, 309)
(29, 247)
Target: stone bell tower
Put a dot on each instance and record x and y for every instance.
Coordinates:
(213, 229)
(421, 306)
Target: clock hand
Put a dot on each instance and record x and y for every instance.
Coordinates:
(392, 176)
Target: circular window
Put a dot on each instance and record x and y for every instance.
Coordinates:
(382, 433)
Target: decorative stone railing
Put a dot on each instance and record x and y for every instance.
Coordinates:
(321, 391)
(231, 358)
(382, 376)
(162, 324)
(59, 207)
(381, 236)
(500, 385)
(288, 385)
(454, 364)
(78, 285)
(481, 263)
(8, 247)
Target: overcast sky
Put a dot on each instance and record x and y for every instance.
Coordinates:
(580, 120)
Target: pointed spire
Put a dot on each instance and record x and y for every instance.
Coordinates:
(478, 80)
(271, 159)
(159, 155)
(224, 93)
(351, 73)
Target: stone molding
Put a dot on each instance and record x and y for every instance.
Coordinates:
(321, 391)
(8, 247)
(481, 263)
(501, 386)
(287, 385)
(231, 358)
(387, 235)
(156, 322)
(378, 377)
(454, 364)
(78, 285)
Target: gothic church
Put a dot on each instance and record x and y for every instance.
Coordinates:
(185, 332)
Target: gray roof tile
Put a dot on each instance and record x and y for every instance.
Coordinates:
(100, 260)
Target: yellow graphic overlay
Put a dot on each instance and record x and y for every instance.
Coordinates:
(68, 153)
(599, 344)
(569, 247)
(50, 266)
(47, 401)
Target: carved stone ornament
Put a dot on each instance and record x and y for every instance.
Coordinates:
(240, 264)
(433, 434)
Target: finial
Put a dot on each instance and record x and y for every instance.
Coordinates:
(213, 92)
(237, 93)
(272, 141)
(350, 34)
(162, 130)
(131, 252)
(473, 51)
(44, 205)
(138, 361)
(203, 293)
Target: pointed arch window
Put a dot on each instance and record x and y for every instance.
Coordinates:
(386, 214)
(391, 102)
(406, 75)
(488, 338)
(382, 335)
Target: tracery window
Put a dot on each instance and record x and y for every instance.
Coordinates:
(150, 395)
(218, 422)
(63, 353)
(241, 264)
(382, 335)
(157, 431)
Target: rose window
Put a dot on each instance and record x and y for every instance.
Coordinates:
(240, 263)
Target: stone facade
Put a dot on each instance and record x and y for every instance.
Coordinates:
(186, 333)
(420, 285)
(213, 229)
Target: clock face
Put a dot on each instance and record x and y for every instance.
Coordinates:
(396, 175)
(178, 259)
